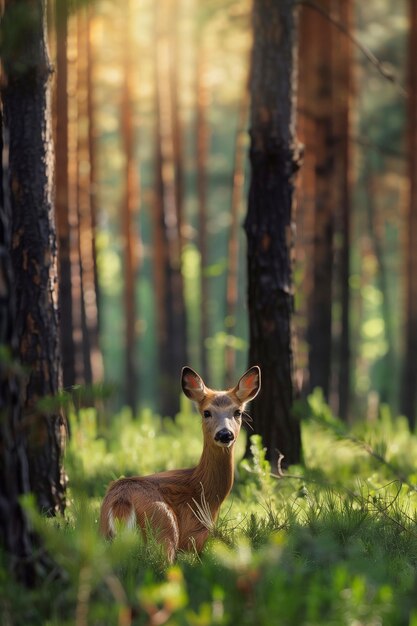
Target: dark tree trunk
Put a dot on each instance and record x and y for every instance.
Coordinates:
(33, 243)
(15, 535)
(409, 374)
(61, 202)
(320, 322)
(306, 191)
(172, 323)
(96, 354)
(269, 225)
(344, 88)
(86, 210)
(128, 212)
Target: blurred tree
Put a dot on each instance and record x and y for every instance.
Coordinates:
(25, 98)
(130, 204)
(306, 195)
(343, 77)
(409, 374)
(78, 314)
(232, 283)
(61, 196)
(202, 131)
(320, 307)
(83, 199)
(268, 225)
(97, 358)
(171, 331)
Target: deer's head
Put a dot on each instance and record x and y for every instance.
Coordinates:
(221, 411)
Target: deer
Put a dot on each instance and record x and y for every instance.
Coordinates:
(180, 506)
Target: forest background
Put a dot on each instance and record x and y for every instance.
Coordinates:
(205, 76)
(154, 179)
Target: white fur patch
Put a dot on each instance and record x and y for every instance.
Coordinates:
(129, 522)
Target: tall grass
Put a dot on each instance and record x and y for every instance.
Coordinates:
(332, 542)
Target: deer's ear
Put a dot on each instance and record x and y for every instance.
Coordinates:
(192, 384)
(249, 385)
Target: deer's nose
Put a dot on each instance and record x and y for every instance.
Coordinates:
(224, 435)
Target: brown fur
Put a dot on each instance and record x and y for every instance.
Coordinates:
(167, 500)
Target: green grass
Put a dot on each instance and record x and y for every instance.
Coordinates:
(332, 542)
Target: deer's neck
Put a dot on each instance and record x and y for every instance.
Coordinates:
(215, 472)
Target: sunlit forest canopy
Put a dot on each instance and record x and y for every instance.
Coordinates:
(157, 115)
(206, 49)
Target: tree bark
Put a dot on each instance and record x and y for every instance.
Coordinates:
(15, 534)
(61, 199)
(128, 213)
(202, 149)
(172, 341)
(320, 306)
(268, 225)
(409, 374)
(97, 357)
(33, 243)
(344, 88)
(232, 278)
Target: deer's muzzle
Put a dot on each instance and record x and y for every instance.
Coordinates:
(224, 435)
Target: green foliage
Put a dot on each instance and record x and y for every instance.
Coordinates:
(333, 542)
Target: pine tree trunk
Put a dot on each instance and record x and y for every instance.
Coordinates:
(61, 200)
(232, 278)
(83, 198)
(202, 148)
(409, 374)
(172, 342)
(15, 535)
(376, 236)
(129, 207)
(320, 306)
(306, 191)
(33, 244)
(78, 315)
(269, 225)
(96, 354)
(344, 88)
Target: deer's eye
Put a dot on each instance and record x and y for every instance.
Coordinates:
(237, 413)
(207, 413)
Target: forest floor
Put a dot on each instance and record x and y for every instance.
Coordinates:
(331, 542)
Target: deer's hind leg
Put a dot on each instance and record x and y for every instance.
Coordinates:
(163, 522)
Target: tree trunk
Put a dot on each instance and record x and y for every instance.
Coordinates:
(173, 356)
(269, 225)
(129, 207)
(343, 112)
(15, 535)
(202, 149)
(409, 374)
(33, 243)
(306, 192)
(96, 355)
(78, 316)
(61, 200)
(377, 238)
(320, 306)
(232, 278)
(87, 300)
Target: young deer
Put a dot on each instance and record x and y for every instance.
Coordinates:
(181, 504)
